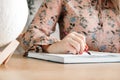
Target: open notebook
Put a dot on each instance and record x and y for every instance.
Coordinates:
(95, 57)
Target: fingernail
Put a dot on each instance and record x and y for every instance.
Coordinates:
(80, 52)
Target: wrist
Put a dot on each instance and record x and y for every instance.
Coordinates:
(51, 47)
(45, 47)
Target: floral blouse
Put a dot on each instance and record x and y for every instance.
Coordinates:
(100, 25)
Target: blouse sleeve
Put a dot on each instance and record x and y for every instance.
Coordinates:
(41, 27)
(118, 20)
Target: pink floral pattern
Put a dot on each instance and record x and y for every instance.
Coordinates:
(101, 27)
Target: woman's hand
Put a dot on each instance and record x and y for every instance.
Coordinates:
(73, 43)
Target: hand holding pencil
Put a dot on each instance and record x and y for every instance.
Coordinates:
(73, 43)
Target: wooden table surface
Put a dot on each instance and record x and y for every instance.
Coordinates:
(21, 68)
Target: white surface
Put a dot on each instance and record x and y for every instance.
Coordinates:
(13, 17)
(95, 57)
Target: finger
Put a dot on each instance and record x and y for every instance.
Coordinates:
(76, 38)
(71, 50)
(74, 44)
(82, 47)
(80, 36)
(80, 42)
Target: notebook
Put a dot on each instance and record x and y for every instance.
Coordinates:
(95, 57)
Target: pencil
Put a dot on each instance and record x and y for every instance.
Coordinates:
(86, 50)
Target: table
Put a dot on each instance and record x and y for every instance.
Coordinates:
(22, 68)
